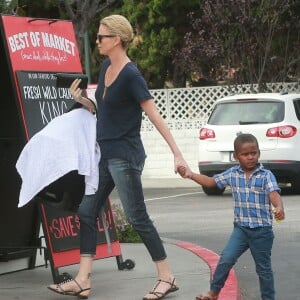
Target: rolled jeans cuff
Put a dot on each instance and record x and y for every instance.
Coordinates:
(87, 254)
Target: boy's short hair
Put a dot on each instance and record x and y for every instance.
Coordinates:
(244, 138)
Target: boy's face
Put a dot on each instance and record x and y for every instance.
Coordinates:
(247, 154)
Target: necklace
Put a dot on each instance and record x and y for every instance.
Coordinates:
(104, 91)
(106, 81)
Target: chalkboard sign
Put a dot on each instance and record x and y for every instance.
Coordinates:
(42, 101)
(63, 227)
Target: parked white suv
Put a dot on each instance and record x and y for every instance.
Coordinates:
(275, 121)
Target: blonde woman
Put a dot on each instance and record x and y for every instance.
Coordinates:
(122, 94)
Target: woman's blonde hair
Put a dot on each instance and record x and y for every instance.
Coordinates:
(119, 26)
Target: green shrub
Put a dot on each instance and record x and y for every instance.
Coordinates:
(125, 231)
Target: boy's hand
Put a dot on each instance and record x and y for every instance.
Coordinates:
(181, 170)
(278, 213)
(179, 162)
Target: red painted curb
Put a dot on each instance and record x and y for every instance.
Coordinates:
(231, 289)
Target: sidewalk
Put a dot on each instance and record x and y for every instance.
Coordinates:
(192, 266)
(190, 263)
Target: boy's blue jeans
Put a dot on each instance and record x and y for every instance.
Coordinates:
(260, 242)
(126, 177)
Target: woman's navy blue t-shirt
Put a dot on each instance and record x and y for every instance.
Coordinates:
(120, 114)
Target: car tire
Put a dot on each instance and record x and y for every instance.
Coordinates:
(213, 191)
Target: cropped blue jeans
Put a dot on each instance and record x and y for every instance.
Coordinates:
(260, 242)
(126, 177)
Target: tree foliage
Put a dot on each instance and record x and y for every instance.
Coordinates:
(8, 7)
(249, 41)
(160, 26)
(206, 41)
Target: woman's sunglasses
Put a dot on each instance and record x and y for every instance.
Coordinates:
(101, 36)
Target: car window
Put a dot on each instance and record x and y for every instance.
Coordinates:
(246, 112)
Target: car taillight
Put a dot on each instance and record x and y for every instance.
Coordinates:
(282, 131)
(206, 133)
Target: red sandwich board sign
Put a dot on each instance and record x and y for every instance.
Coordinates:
(36, 49)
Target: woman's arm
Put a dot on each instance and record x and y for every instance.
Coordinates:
(156, 119)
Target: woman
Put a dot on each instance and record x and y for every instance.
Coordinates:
(122, 94)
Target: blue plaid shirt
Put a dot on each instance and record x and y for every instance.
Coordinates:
(252, 206)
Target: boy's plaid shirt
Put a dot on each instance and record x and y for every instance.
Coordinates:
(252, 206)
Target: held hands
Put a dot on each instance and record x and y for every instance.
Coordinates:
(182, 168)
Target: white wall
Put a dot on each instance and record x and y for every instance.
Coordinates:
(185, 110)
(159, 162)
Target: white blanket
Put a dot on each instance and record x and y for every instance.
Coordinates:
(67, 143)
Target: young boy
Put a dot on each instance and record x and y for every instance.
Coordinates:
(255, 192)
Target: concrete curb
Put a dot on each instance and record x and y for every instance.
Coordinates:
(231, 289)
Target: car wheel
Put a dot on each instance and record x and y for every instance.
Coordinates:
(213, 191)
(296, 185)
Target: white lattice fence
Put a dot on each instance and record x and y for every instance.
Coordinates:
(194, 104)
(186, 110)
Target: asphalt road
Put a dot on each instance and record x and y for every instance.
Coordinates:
(187, 214)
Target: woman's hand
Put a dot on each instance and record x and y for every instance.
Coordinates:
(76, 91)
(182, 167)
